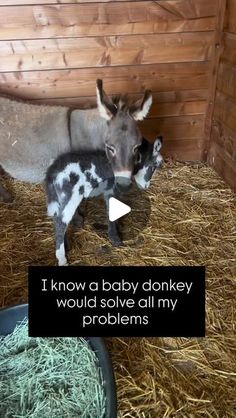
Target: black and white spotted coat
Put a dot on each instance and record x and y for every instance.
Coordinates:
(79, 175)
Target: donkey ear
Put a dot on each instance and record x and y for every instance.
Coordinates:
(157, 145)
(105, 106)
(142, 106)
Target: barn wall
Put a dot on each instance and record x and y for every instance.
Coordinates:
(222, 152)
(53, 51)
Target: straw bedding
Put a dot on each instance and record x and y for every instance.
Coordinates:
(192, 222)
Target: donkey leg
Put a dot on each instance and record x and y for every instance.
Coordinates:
(66, 243)
(60, 231)
(5, 195)
(78, 219)
(113, 232)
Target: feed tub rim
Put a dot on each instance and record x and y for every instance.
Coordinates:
(11, 314)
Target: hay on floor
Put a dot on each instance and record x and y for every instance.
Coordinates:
(192, 222)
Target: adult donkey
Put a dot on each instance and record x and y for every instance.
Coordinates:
(32, 136)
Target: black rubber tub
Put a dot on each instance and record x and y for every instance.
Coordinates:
(11, 315)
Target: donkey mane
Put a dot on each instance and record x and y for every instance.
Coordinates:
(124, 103)
(121, 101)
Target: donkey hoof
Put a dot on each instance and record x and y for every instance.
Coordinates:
(78, 221)
(6, 197)
(104, 249)
(63, 262)
(117, 242)
(99, 226)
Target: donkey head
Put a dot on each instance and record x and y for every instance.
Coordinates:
(150, 160)
(123, 136)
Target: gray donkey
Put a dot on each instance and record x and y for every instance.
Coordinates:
(80, 175)
(32, 136)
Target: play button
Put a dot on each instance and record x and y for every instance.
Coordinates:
(117, 209)
(135, 202)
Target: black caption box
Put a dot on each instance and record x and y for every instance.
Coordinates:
(116, 301)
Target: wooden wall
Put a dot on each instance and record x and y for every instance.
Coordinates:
(53, 51)
(222, 150)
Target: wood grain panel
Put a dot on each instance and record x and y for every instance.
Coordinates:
(54, 50)
(175, 8)
(96, 19)
(225, 110)
(159, 109)
(215, 61)
(222, 151)
(53, 2)
(183, 150)
(226, 82)
(231, 14)
(66, 83)
(222, 163)
(225, 138)
(104, 51)
(229, 54)
(174, 128)
(177, 109)
(170, 97)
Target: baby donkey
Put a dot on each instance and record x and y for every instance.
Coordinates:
(80, 175)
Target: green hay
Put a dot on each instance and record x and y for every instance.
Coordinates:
(49, 377)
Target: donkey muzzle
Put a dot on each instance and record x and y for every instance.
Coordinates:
(123, 184)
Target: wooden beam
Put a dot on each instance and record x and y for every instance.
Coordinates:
(215, 59)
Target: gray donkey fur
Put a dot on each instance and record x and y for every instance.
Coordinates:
(32, 135)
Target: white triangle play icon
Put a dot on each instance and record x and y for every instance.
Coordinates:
(117, 209)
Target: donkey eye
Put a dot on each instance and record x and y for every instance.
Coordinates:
(111, 149)
(135, 149)
(138, 158)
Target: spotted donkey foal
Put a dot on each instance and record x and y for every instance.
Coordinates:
(78, 175)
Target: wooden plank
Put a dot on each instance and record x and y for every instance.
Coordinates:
(223, 164)
(157, 110)
(226, 82)
(179, 8)
(70, 83)
(32, 2)
(177, 109)
(104, 51)
(174, 128)
(167, 97)
(183, 150)
(216, 54)
(231, 13)
(96, 19)
(225, 110)
(229, 54)
(225, 138)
